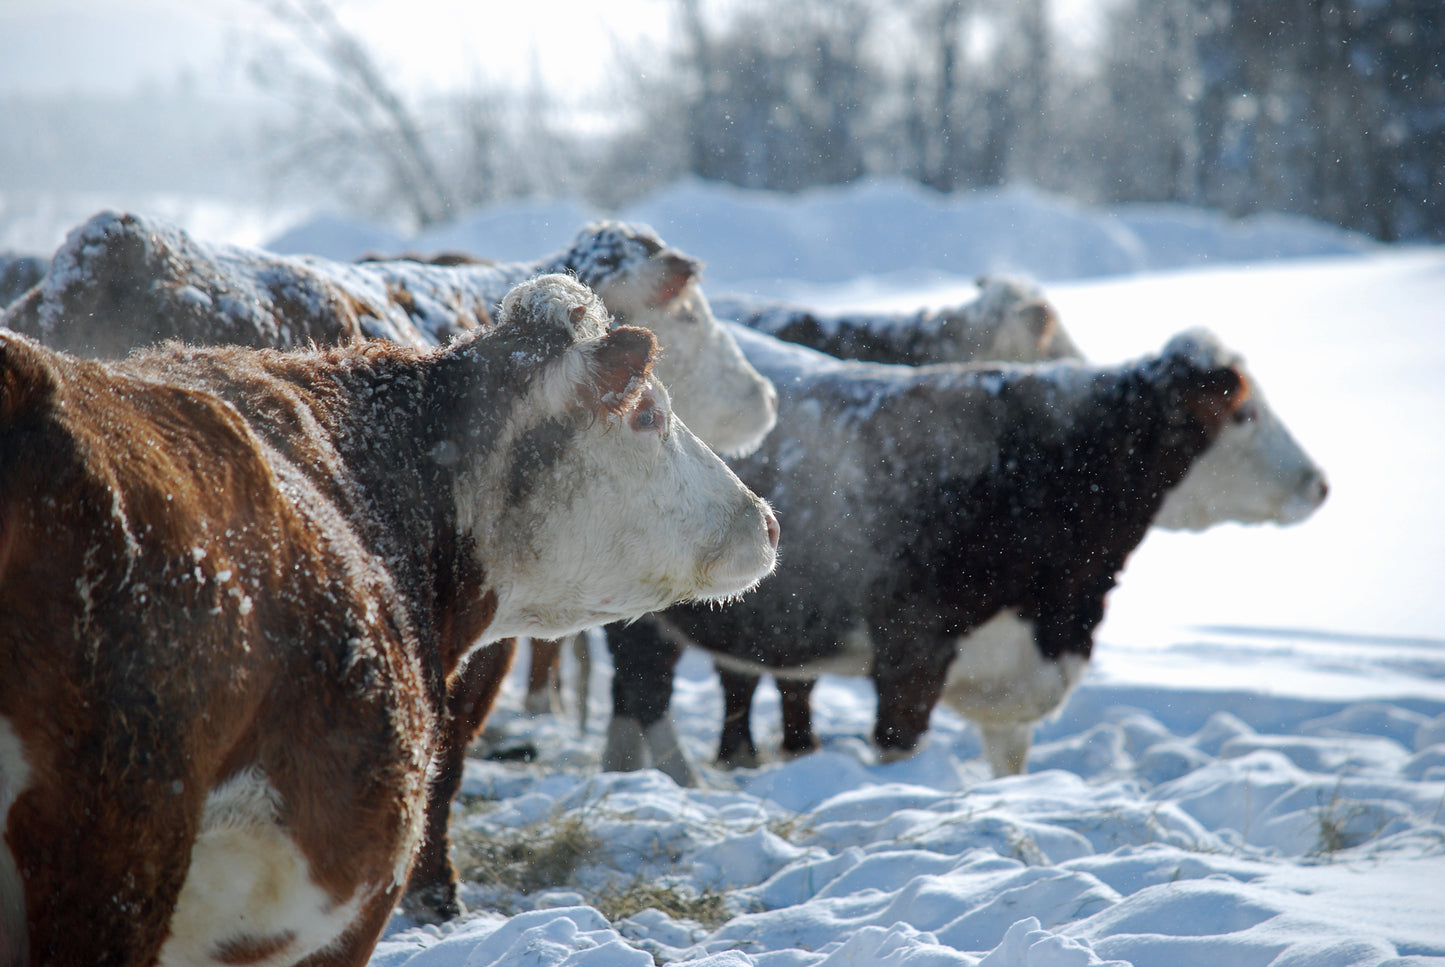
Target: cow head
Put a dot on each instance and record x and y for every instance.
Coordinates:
(1010, 321)
(597, 504)
(1255, 471)
(646, 283)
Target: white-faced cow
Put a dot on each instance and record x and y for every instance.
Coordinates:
(233, 584)
(952, 532)
(1011, 321)
(123, 281)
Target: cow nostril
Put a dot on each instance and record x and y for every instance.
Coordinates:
(771, 522)
(1324, 488)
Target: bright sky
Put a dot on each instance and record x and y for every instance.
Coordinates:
(115, 46)
(97, 46)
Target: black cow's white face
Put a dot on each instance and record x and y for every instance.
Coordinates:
(1254, 472)
(599, 504)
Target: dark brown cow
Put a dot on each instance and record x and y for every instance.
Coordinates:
(234, 583)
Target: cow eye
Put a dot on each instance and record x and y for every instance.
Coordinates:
(646, 418)
(1247, 413)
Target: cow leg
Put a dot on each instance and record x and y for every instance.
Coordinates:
(101, 872)
(798, 737)
(1006, 746)
(543, 680)
(431, 890)
(582, 655)
(735, 748)
(644, 663)
(906, 696)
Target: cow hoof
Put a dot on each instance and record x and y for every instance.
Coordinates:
(742, 759)
(432, 904)
(625, 751)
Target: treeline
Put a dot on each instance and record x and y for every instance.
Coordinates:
(1325, 108)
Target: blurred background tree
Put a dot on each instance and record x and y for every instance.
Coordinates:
(1329, 108)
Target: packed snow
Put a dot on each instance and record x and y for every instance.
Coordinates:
(1253, 772)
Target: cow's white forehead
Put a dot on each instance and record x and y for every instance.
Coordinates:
(1202, 349)
(550, 300)
(605, 250)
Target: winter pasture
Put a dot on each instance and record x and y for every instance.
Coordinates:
(1253, 772)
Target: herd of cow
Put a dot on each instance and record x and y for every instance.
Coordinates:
(270, 528)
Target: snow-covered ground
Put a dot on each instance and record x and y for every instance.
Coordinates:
(1253, 772)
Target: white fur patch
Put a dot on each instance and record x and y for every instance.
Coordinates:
(1001, 682)
(625, 522)
(249, 884)
(14, 777)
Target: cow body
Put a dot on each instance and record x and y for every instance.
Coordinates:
(952, 533)
(233, 585)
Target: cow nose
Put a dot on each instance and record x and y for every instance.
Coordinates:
(772, 524)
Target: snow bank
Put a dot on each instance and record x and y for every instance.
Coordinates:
(885, 229)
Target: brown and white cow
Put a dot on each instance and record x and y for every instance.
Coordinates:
(233, 584)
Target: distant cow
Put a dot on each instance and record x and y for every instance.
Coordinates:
(952, 532)
(1011, 321)
(233, 584)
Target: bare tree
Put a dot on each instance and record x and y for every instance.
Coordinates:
(349, 117)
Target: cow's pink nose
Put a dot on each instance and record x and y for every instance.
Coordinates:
(772, 523)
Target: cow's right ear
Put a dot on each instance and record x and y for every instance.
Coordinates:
(671, 275)
(1041, 320)
(23, 378)
(620, 365)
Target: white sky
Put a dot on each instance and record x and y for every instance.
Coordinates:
(115, 46)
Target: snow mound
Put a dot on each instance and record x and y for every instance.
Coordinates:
(880, 228)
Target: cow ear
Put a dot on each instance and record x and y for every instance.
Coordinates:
(1041, 321)
(1217, 395)
(620, 365)
(671, 274)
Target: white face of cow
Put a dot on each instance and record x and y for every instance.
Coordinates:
(1015, 322)
(724, 399)
(1254, 473)
(624, 510)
